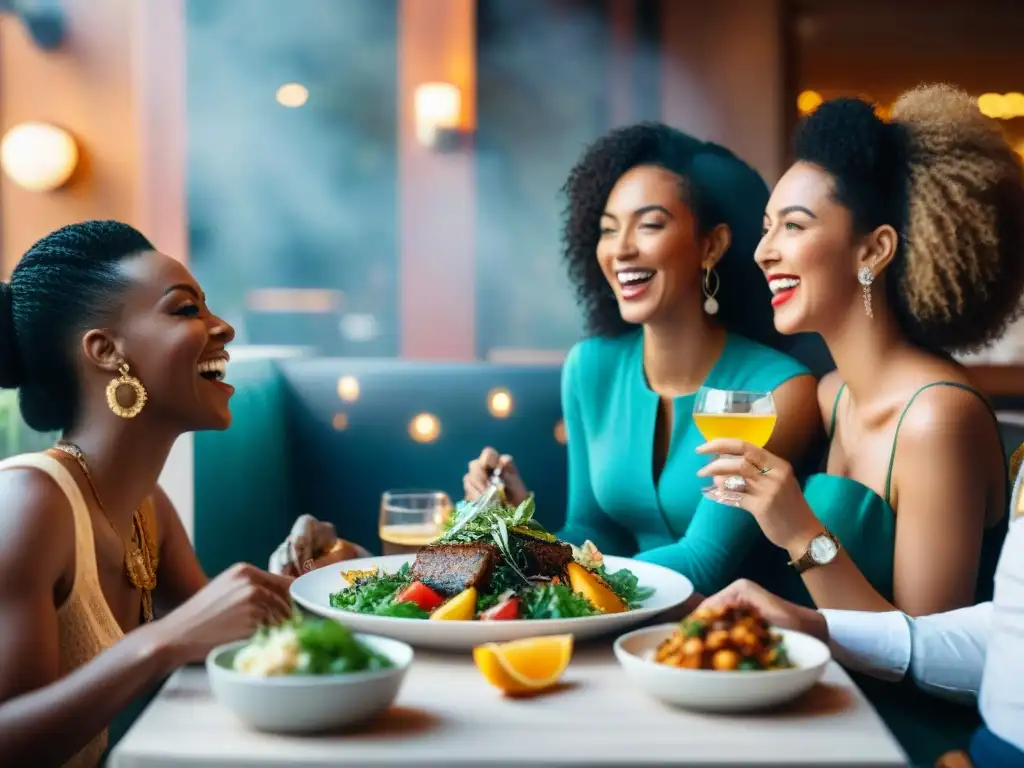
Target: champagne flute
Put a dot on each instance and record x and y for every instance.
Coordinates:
(410, 519)
(737, 414)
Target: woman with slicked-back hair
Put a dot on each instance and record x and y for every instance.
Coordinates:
(111, 344)
(900, 243)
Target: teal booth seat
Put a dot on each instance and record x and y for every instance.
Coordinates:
(297, 446)
(245, 499)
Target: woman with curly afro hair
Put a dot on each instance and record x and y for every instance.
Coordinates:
(660, 230)
(899, 242)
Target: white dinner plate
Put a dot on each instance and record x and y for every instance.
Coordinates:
(312, 591)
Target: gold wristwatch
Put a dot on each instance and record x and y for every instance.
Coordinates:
(822, 550)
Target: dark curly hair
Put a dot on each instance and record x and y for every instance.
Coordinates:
(945, 178)
(65, 284)
(717, 186)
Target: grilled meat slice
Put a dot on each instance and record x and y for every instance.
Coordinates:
(545, 558)
(450, 568)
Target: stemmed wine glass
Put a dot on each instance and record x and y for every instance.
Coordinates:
(738, 414)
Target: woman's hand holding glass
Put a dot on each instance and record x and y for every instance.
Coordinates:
(771, 492)
(744, 415)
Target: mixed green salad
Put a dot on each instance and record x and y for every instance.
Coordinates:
(587, 588)
(307, 646)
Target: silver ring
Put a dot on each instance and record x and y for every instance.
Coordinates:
(735, 483)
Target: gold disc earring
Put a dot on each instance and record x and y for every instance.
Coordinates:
(124, 380)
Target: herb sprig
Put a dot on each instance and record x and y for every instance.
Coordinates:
(482, 528)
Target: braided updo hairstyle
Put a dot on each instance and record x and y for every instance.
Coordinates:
(65, 284)
(945, 178)
(717, 186)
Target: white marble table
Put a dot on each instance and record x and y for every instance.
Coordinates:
(446, 715)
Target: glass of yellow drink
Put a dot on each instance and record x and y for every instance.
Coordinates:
(736, 414)
(410, 519)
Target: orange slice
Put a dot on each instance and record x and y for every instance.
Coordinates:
(462, 607)
(524, 666)
(593, 587)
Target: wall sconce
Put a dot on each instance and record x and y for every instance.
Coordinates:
(438, 116)
(38, 156)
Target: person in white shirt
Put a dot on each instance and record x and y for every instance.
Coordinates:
(974, 653)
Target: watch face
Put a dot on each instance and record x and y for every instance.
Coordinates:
(823, 549)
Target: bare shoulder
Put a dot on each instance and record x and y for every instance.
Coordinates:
(799, 424)
(949, 434)
(37, 529)
(37, 545)
(828, 391)
(794, 398)
(948, 412)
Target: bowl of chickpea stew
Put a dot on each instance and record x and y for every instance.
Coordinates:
(729, 661)
(733, 638)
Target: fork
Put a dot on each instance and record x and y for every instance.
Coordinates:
(482, 502)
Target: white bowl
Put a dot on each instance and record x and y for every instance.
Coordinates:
(308, 703)
(721, 691)
(313, 591)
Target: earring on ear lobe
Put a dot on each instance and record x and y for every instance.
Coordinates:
(124, 380)
(710, 302)
(865, 277)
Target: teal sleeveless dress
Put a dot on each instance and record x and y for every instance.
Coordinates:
(865, 525)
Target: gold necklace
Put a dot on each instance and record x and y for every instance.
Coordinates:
(140, 562)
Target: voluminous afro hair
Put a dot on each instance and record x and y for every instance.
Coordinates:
(945, 178)
(65, 283)
(717, 186)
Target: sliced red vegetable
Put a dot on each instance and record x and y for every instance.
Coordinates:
(504, 611)
(420, 594)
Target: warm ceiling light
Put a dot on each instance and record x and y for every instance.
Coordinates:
(348, 388)
(560, 435)
(991, 104)
(438, 108)
(292, 95)
(424, 428)
(38, 156)
(499, 403)
(340, 421)
(1013, 104)
(1002, 106)
(808, 101)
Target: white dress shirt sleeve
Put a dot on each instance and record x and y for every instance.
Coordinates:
(948, 654)
(1002, 695)
(944, 653)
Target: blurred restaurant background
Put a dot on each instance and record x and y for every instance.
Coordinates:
(379, 179)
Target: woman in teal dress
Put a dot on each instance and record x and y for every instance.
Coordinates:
(659, 233)
(899, 243)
